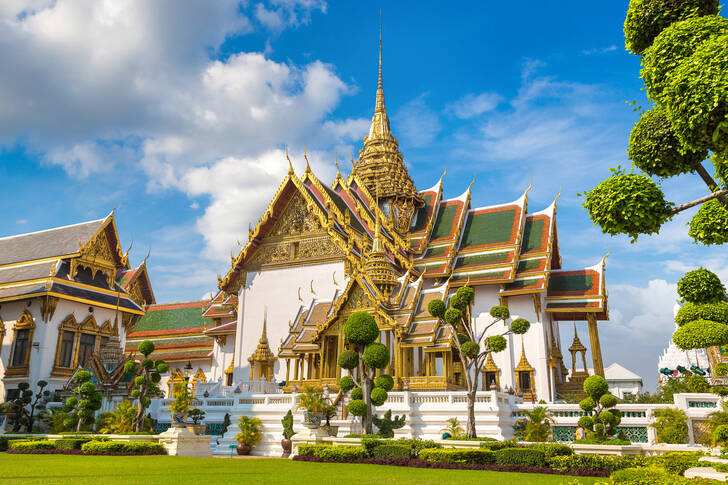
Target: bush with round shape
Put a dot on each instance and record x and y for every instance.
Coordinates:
(437, 308)
(700, 334)
(697, 97)
(606, 417)
(357, 407)
(674, 45)
(647, 18)
(129, 366)
(146, 347)
(710, 224)
(586, 422)
(357, 393)
(346, 383)
(587, 404)
(361, 328)
(701, 286)
(457, 302)
(385, 381)
(608, 400)
(348, 359)
(497, 343)
(627, 203)
(520, 326)
(379, 396)
(156, 377)
(463, 337)
(470, 349)
(720, 370)
(139, 380)
(715, 312)
(697, 383)
(161, 366)
(466, 293)
(720, 434)
(654, 148)
(147, 364)
(500, 312)
(596, 387)
(376, 356)
(453, 316)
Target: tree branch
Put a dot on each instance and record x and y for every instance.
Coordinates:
(710, 182)
(717, 194)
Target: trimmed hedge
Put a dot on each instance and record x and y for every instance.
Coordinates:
(71, 443)
(97, 447)
(552, 449)
(333, 453)
(25, 445)
(391, 451)
(520, 456)
(653, 476)
(498, 445)
(677, 463)
(575, 463)
(453, 455)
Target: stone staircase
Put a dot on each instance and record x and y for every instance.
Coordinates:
(708, 471)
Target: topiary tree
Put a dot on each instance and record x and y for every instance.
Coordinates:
(85, 401)
(23, 408)
(685, 71)
(703, 319)
(473, 347)
(362, 332)
(386, 425)
(147, 374)
(601, 419)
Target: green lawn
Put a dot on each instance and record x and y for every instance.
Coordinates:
(149, 470)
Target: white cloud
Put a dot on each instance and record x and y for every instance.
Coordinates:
(287, 13)
(470, 105)
(599, 50)
(416, 123)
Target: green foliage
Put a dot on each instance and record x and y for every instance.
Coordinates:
(346, 383)
(312, 400)
(674, 45)
(470, 349)
(497, 343)
(716, 312)
(250, 431)
(647, 18)
(608, 401)
(652, 475)
(720, 370)
(436, 308)
(333, 453)
(697, 383)
(500, 312)
(26, 445)
(595, 462)
(701, 286)
(551, 450)
(287, 423)
(71, 443)
(378, 396)
(391, 451)
(466, 294)
(348, 359)
(146, 347)
(586, 422)
(453, 428)
(385, 381)
(654, 147)
(627, 203)
(357, 393)
(386, 425)
(225, 423)
(602, 421)
(357, 407)
(183, 400)
(196, 415)
(453, 316)
(454, 455)
(22, 410)
(520, 326)
(700, 334)
(376, 356)
(85, 400)
(696, 97)
(120, 420)
(710, 224)
(595, 387)
(361, 329)
(520, 456)
(537, 426)
(720, 435)
(457, 302)
(671, 425)
(136, 447)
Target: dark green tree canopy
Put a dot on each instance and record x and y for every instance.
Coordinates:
(701, 286)
(361, 329)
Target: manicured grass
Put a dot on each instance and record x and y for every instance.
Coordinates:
(149, 470)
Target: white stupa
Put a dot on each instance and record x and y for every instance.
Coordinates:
(673, 356)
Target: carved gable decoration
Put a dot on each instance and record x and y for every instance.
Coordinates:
(99, 256)
(357, 300)
(296, 219)
(135, 293)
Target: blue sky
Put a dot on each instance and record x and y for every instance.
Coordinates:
(177, 113)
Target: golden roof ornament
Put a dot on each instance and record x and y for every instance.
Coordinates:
(262, 352)
(576, 345)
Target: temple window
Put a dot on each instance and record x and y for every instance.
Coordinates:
(21, 347)
(66, 356)
(77, 342)
(524, 380)
(22, 338)
(86, 347)
(524, 377)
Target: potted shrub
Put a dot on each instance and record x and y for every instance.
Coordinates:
(313, 403)
(288, 432)
(181, 405)
(249, 435)
(328, 412)
(196, 415)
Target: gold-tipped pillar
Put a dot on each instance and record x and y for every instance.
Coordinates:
(596, 349)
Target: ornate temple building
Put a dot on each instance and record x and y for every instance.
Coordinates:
(68, 297)
(373, 241)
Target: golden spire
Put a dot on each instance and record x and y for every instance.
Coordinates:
(523, 364)
(264, 335)
(576, 345)
(380, 121)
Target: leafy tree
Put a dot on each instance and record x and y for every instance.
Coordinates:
(716, 419)
(682, 44)
(601, 419)
(703, 319)
(536, 424)
(362, 332)
(85, 401)
(473, 347)
(120, 420)
(147, 374)
(23, 408)
(671, 425)
(196, 415)
(386, 425)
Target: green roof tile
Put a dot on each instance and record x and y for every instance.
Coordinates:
(422, 213)
(170, 319)
(444, 222)
(439, 251)
(578, 282)
(489, 228)
(494, 274)
(532, 235)
(528, 265)
(480, 259)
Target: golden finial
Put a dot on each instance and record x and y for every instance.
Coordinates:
(558, 196)
(290, 165)
(312, 291)
(232, 258)
(380, 85)
(299, 295)
(473, 182)
(353, 164)
(468, 282)
(333, 276)
(444, 172)
(149, 253)
(338, 172)
(308, 168)
(250, 232)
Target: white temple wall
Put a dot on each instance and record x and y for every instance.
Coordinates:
(203, 364)
(278, 290)
(222, 356)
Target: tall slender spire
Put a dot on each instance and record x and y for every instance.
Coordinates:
(380, 121)
(379, 108)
